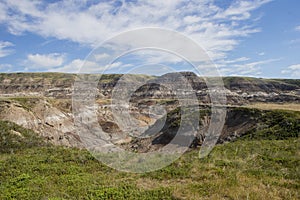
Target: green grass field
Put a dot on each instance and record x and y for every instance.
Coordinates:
(245, 169)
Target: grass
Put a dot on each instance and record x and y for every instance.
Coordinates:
(255, 81)
(257, 168)
(277, 124)
(15, 138)
(275, 106)
(26, 102)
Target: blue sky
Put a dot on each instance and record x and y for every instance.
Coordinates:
(258, 38)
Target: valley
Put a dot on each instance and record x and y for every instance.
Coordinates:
(256, 156)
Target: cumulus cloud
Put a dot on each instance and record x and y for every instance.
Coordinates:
(36, 61)
(74, 66)
(88, 22)
(85, 66)
(4, 48)
(292, 70)
(101, 56)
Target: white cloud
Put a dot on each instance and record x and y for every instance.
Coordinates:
(39, 61)
(85, 66)
(297, 28)
(240, 10)
(261, 53)
(154, 56)
(5, 68)
(3, 48)
(72, 67)
(191, 19)
(216, 29)
(293, 70)
(246, 69)
(227, 61)
(101, 56)
(116, 65)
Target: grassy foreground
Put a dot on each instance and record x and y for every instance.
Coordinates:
(240, 170)
(245, 169)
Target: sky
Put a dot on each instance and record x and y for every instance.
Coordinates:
(259, 38)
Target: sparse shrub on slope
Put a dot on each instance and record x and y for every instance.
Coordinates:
(14, 138)
(278, 125)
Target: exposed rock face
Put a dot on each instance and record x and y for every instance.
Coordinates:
(55, 122)
(49, 122)
(44, 105)
(238, 122)
(36, 84)
(239, 90)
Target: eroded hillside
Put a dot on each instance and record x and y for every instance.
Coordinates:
(42, 102)
(240, 90)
